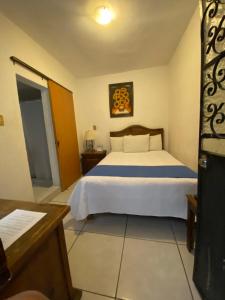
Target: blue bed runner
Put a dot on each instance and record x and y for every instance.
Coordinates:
(142, 171)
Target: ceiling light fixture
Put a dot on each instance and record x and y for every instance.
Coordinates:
(104, 15)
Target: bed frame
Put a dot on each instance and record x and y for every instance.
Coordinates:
(138, 130)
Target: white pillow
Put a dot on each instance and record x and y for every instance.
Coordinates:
(136, 143)
(155, 142)
(116, 144)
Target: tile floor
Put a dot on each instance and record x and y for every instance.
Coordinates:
(129, 257)
(45, 194)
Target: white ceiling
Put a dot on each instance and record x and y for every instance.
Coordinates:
(145, 33)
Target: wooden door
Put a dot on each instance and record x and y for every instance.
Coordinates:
(209, 268)
(65, 134)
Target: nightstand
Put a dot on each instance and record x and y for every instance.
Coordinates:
(91, 159)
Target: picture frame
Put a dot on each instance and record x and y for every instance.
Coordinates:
(121, 102)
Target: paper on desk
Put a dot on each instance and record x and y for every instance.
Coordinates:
(15, 224)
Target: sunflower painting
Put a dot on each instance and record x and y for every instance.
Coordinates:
(121, 99)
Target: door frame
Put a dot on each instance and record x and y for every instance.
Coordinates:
(47, 122)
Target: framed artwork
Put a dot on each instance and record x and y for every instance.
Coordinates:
(121, 100)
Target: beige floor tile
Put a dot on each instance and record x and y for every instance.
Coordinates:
(188, 260)
(70, 188)
(95, 261)
(70, 223)
(70, 237)
(179, 228)
(45, 194)
(107, 224)
(91, 296)
(152, 270)
(62, 197)
(150, 228)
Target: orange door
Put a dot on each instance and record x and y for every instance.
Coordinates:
(65, 133)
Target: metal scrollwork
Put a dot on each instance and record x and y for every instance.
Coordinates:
(216, 116)
(212, 8)
(216, 35)
(216, 78)
(213, 65)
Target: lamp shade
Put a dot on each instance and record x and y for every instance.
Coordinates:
(89, 135)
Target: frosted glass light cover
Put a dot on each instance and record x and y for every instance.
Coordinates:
(104, 15)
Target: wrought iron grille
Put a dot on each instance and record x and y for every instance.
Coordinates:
(213, 69)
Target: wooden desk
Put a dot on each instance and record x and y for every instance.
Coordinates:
(38, 259)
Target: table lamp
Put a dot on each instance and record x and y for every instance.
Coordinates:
(89, 138)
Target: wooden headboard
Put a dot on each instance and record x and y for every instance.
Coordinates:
(138, 130)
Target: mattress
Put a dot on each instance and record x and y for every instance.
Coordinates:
(133, 195)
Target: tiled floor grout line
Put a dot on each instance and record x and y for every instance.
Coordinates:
(149, 240)
(79, 232)
(182, 262)
(82, 228)
(70, 229)
(98, 294)
(74, 241)
(124, 236)
(104, 233)
(185, 273)
(91, 292)
(128, 237)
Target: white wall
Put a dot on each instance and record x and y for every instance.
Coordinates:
(184, 104)
(15, 182)
(151, 93)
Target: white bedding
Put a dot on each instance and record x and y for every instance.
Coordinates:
(138, 196)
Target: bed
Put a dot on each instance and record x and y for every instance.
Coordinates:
(119, 185)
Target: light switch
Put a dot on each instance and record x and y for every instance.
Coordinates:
(1, 120)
